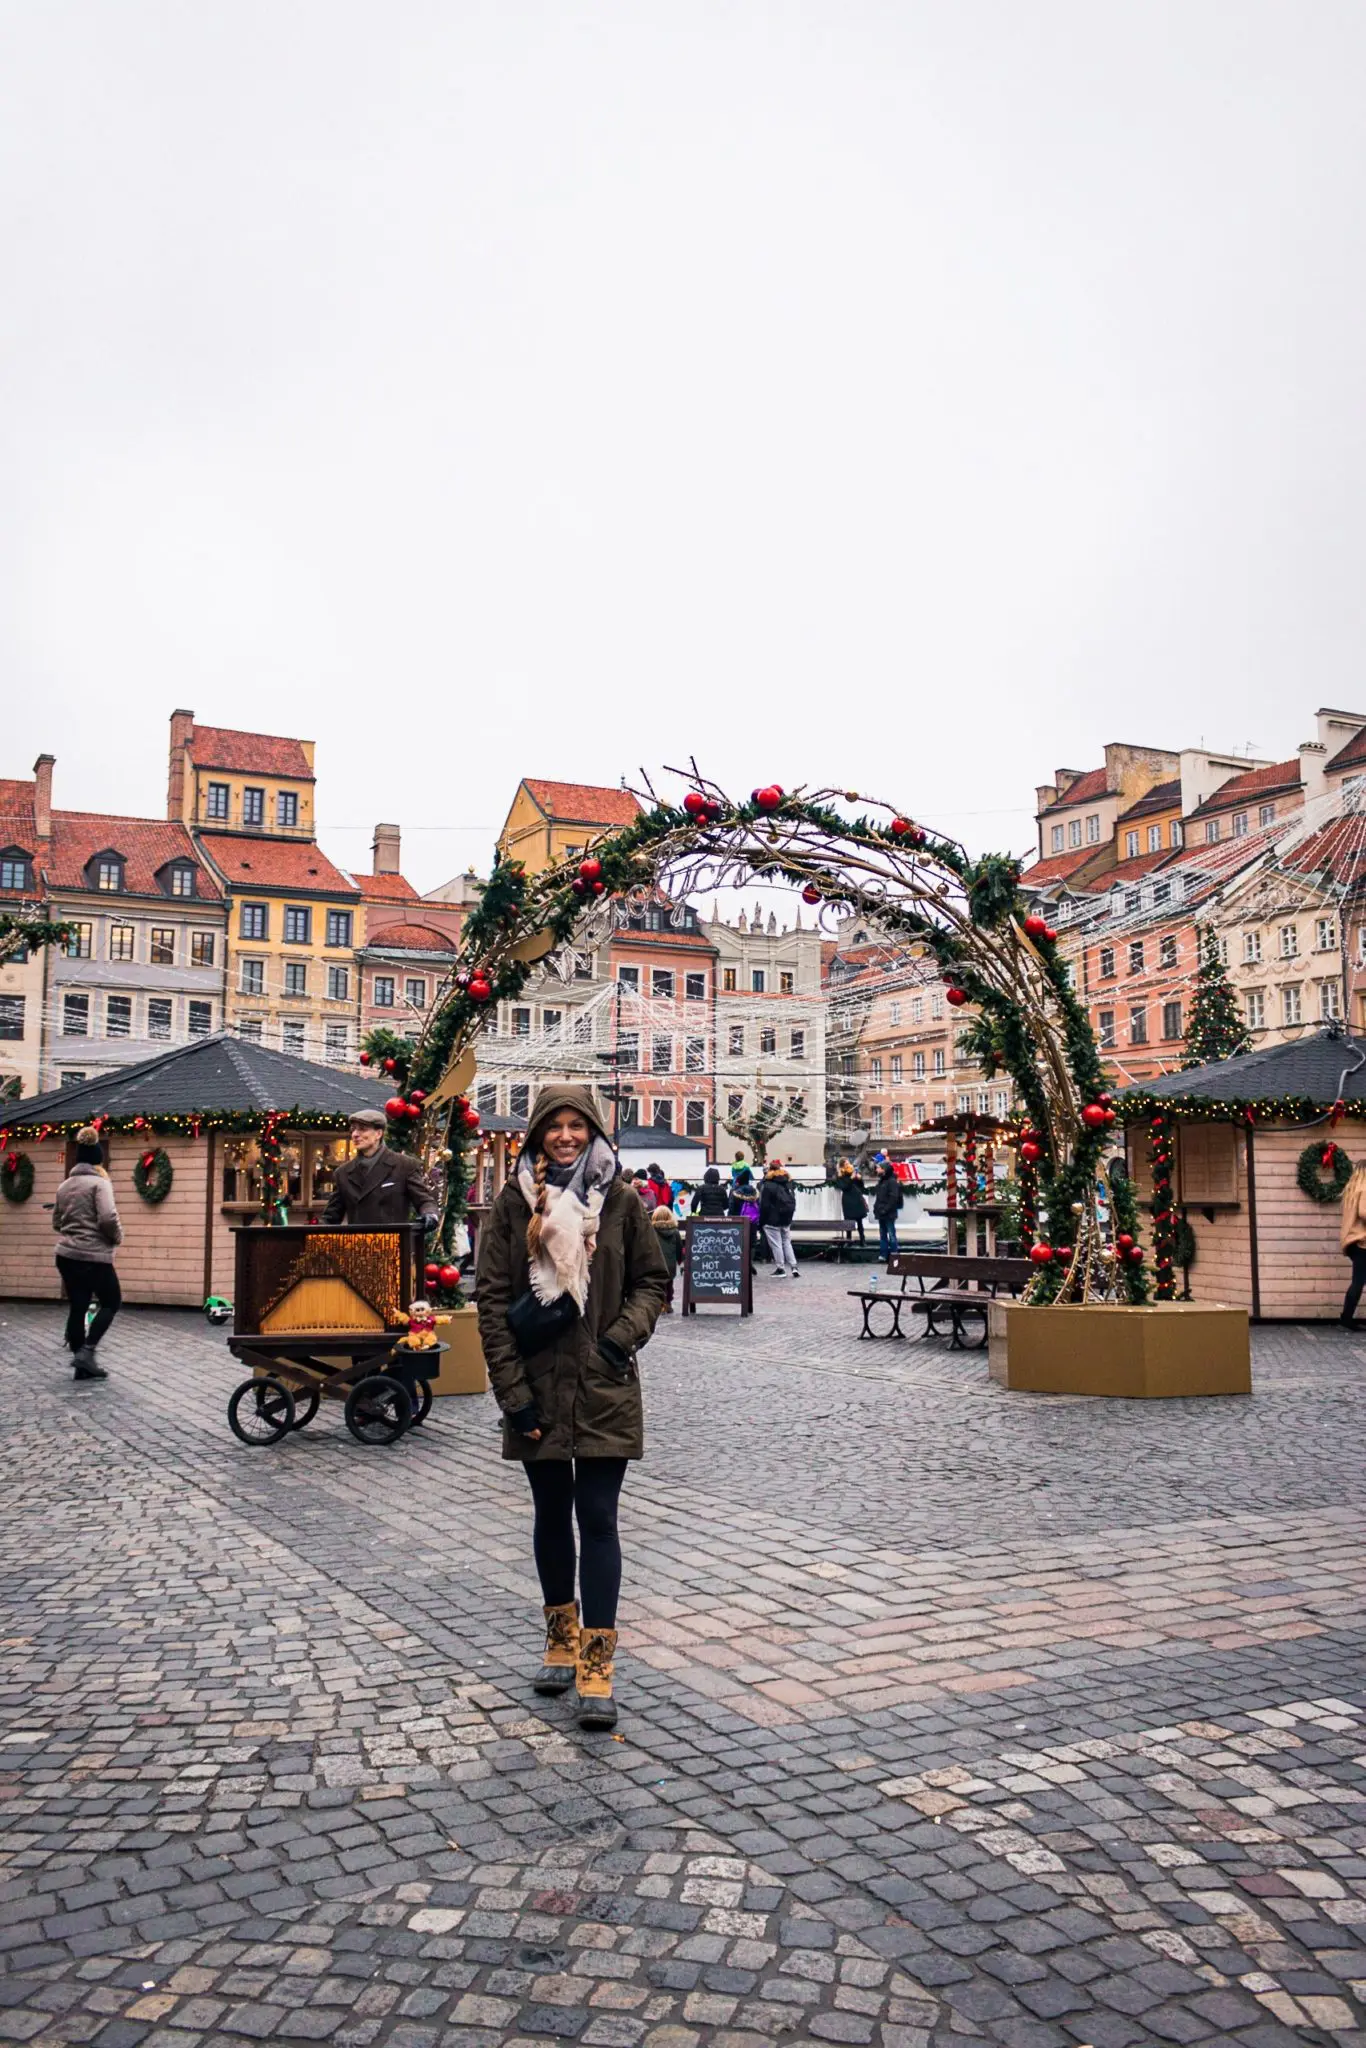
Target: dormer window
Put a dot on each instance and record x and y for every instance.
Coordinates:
(16, 870)
(180, 879)
(105, 872)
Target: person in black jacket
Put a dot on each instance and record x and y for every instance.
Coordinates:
(711, 1199)
(853, 1197)
(777, 1207)
(377, 1186)
(888, 1201)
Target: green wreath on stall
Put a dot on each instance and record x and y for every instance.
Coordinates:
(16, 1177)
(1318, 1159)
(152, 1176)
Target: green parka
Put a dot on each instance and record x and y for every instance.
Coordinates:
(586, 1410)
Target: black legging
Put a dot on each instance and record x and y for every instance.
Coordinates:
(587, 1488)
(1357, 1254)
(89, 1280)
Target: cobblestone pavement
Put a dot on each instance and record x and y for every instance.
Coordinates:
(948, 1714)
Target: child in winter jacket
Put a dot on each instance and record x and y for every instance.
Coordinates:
(671, 1244)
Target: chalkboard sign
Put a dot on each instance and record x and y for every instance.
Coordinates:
(716, 1263)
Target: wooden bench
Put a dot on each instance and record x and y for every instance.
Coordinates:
(963, 1287)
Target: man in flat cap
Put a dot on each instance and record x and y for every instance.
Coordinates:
(376, 1187)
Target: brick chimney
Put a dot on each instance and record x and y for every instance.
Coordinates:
(42, 795)
(182, 732)
(385, 855)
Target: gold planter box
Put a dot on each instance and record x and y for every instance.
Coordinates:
(462, 1367)
(1155, 1352)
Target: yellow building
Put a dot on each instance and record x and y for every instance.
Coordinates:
(295, 922)
(553, 821)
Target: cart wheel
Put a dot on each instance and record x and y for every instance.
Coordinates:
(422, 1393)
(261, 1411)
(305, 1407)
(378, 1410)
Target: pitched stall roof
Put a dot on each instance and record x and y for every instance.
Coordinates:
(297, 864)
(216, 1074)
(1308, 1069)
(582, 803)
(147, 845)
(1277, 778)
(248, 753)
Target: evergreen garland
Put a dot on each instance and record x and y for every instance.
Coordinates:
(152, 1175)
(1215, 1029)
(1317, 1159)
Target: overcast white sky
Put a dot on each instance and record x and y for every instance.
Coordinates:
(912, 396)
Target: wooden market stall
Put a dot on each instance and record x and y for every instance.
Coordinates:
(201, 1111)
(1248, 1133)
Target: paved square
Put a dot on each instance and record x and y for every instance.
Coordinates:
(947, 1713)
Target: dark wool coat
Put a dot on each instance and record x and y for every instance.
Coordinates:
(777, 1201)
(888, 1200)
(587, 1410)
(374, 1193)
(853, 1197)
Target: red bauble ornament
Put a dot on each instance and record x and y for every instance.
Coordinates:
(578, 886)
(389, 1066)
(769, 797)
(412, 1109)
(811, 894)
(899, 828)
(695, 804)
(417, 1095)
(590, 869)
(481, 988)
(956, 996)
(1104, 1099)
(449, 1276)
(1050, 934)
(1041, 1254)
(365, 1059)
(1093, 1116)
(1030, 1152)
(598, 888)
(1035, 925)
(395, 1107)
(1109, 1116)
(1124, 1241)
(432, 1272)
(471, 1119)
(1135, 1255)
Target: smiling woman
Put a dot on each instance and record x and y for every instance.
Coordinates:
(571, 1284)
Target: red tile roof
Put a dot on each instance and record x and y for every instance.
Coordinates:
(16, 815)
(1339, 847)
(1132, 870)
(1350, 756)
(248, 753)
(1277, 776)
(1095, 782)
(249, 864)
(413, 938)
(387, 889)
(582, 803)
(146, 844)
(1163, 796)
(1058, 867)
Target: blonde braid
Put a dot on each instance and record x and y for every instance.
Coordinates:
(533, 1229)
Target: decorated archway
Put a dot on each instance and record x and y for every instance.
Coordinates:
(844, 853)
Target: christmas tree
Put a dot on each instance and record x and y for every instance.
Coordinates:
(1216, 1030)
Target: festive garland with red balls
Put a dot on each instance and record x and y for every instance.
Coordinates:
(1318, 1159)
(16, 1177)
(1164, 1215)
(152, 1175)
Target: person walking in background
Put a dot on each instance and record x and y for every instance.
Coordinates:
(670, 1243)
(743, 1201)
(86, 1220)
(887, 1205)
(571, 1281)
(1352, 1237)
(657, 1191)
(711, 1199)
(777, 1207)
(853, 1198)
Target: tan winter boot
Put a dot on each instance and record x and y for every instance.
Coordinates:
(597, 1708)
(561, 1648)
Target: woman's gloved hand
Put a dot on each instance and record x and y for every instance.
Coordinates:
(526, 1421)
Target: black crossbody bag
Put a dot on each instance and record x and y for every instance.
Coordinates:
(535, 1324)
